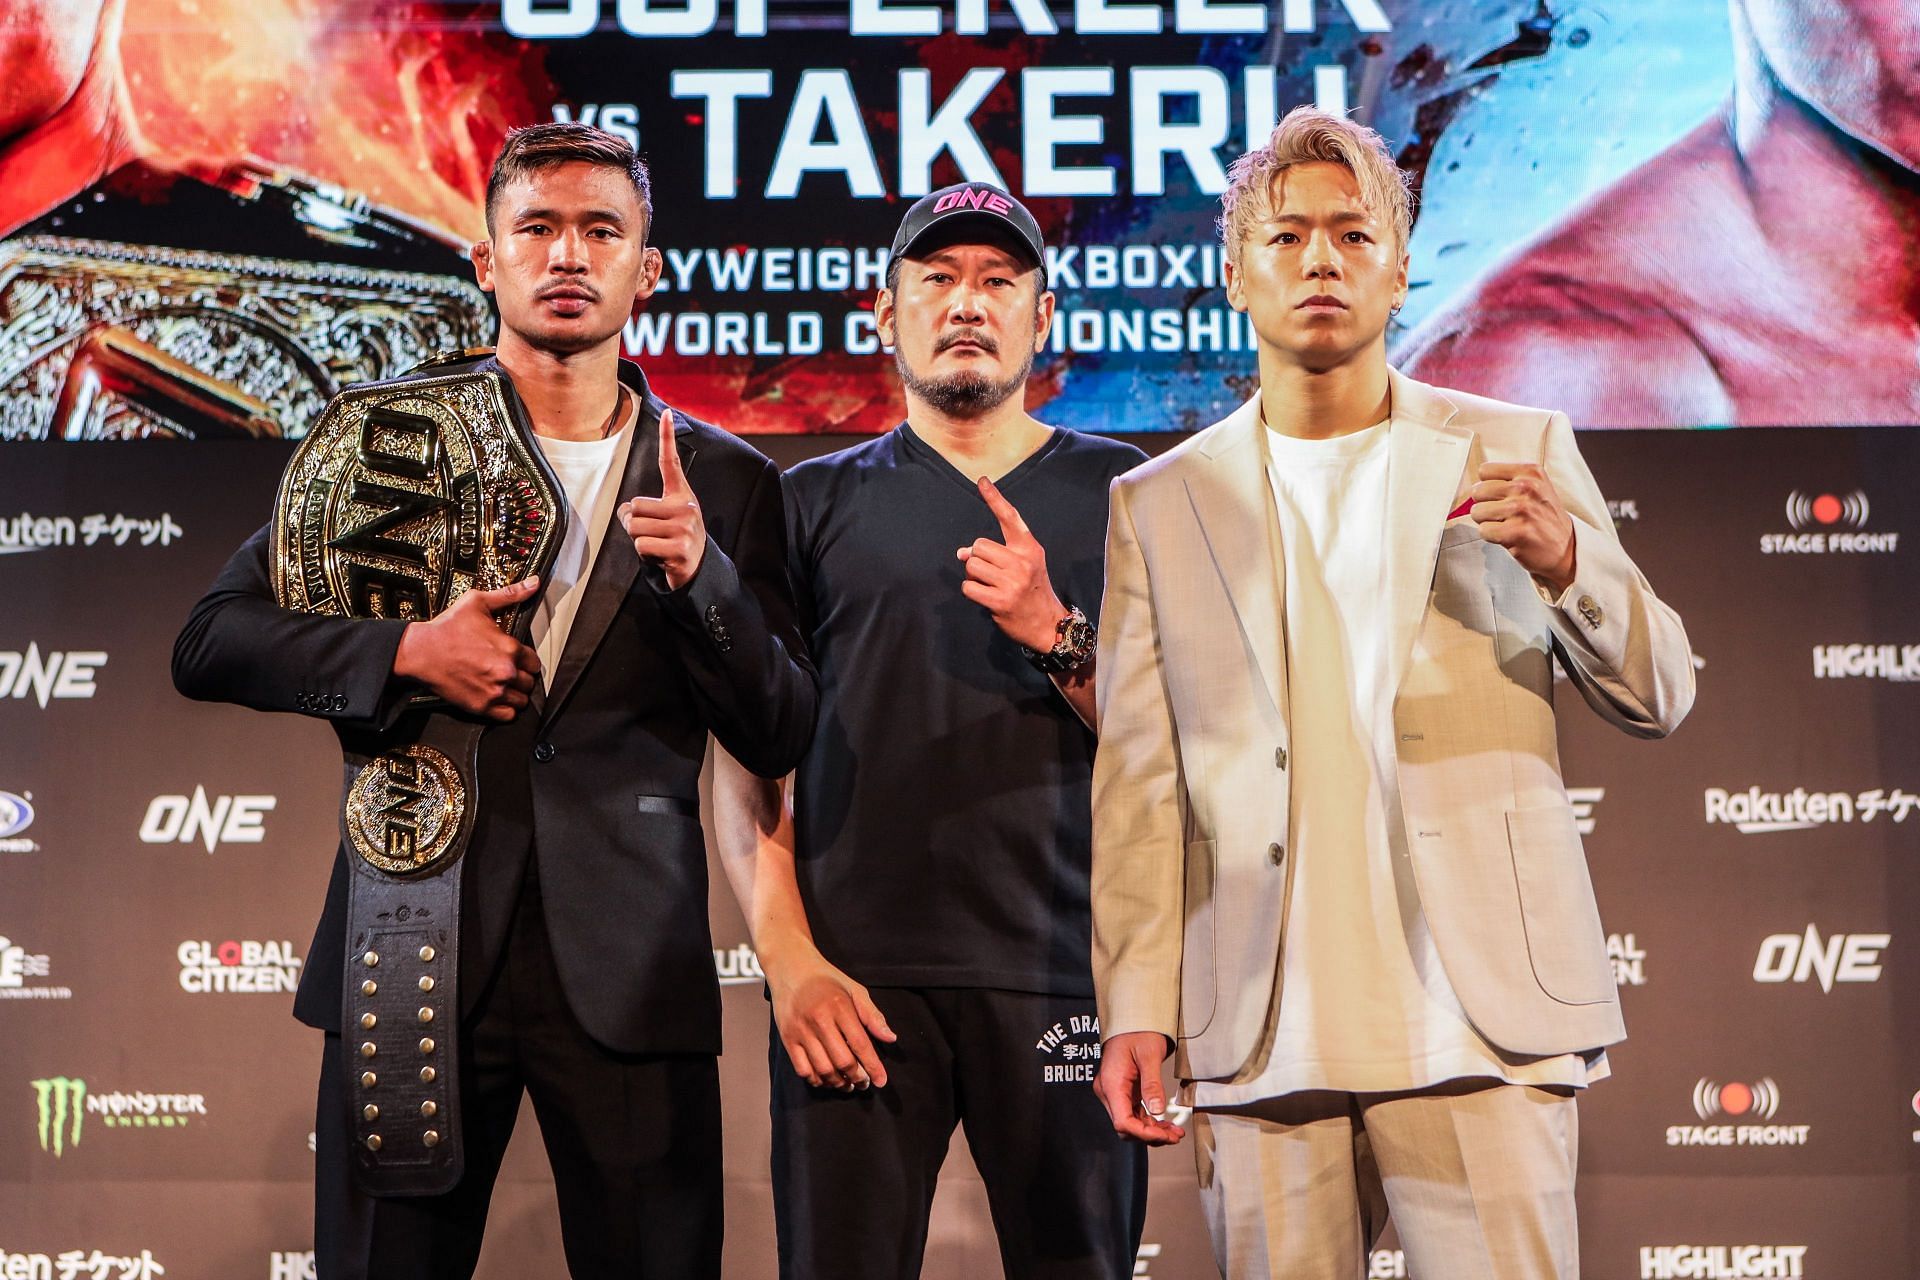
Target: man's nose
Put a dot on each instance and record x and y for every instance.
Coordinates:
(1320, 262)
(969, 306)
(569, 252)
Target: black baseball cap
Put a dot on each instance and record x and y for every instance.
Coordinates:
(966, 206)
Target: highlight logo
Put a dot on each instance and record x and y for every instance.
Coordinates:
(1760, 1100)
(1805, 511)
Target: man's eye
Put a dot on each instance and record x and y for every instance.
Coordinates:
(1358, 237)
(939, 277)
(534, 229)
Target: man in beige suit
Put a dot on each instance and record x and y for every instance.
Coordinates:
(1334, 866)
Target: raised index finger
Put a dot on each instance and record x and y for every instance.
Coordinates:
(1011, 525)
(671, 479)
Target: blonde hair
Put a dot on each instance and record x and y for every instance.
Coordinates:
(1307, 134)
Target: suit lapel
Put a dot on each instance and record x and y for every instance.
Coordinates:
(616, 565)
(1234, 509)
(1426, 457)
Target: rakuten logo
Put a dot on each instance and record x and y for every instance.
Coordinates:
(1844, 957)
(223, 820)
(1721, 1261)
(1757, 812)
(49, 676)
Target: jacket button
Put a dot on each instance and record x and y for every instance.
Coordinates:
(1275, 854)
(543, 752)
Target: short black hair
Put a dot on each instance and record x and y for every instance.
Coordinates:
(541, 146)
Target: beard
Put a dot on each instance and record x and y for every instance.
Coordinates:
(965, 394)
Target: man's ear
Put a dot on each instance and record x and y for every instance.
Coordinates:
(1042, 321)
(883, 317)
(651, 264)
(1236, 285)
(1400, 282)
(482, 256)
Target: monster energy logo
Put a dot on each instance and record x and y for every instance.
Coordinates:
(62, 1105)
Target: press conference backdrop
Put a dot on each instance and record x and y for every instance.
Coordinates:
(254, 202)
(161, 865)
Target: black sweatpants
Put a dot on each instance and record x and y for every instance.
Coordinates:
(854, 1173)
(634, 1142)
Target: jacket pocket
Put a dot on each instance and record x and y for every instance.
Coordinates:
(1197, 990)
(679, 806)
(1564, 941)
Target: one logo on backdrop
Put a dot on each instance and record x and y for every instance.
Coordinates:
(1070, 1051)
(1829, 523)
(1807, 957)
(1387, 1264)
(1623, 511)
(738, 967)
(1756, 812)
(51, 676)
(81, 1264)
(63, 1105)
(212, 821)
(1733, 1110)
(238, 968)
(293, 1265)
(1585, 800)
(28, 532)
(1722, 1261)
(1896, 662)
(25, 975)
(1629, 960)
(16, 815)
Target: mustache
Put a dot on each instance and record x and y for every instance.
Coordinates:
(569, 286)
(975, 336)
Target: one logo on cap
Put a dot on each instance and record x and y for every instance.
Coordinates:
(973, 198)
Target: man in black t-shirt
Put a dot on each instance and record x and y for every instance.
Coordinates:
(921, 910)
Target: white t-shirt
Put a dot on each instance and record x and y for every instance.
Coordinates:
(1364, 1005)
(589, 472)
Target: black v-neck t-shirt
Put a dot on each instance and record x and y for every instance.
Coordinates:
(943, 811)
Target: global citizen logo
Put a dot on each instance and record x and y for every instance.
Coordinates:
(1843, 957)
(17, 965)
(1896, 662)
(1629, 960)
(16, 815)
(222, 820)
(1736, 1100)
(1756, 812)
(1825, 523)
(62, 1105)
(45, 677)
(238, 968)
(28, 532)
(76, 1263)
(1721, 1261)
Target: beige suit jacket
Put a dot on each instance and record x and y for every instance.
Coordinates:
(1190, 787)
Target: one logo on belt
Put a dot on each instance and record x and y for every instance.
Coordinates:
(16, 815)
(213, 821)
(47, 677)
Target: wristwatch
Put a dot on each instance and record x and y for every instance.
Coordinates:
(1072, 648)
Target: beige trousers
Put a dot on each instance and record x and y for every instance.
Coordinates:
(1477, 1175)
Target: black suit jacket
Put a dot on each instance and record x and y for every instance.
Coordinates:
(598, 781)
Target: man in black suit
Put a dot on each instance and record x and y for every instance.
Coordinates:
(586, 974)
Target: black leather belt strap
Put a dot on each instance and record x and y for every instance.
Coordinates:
(400, 1009)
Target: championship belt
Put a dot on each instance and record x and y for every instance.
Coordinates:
(404, 496)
